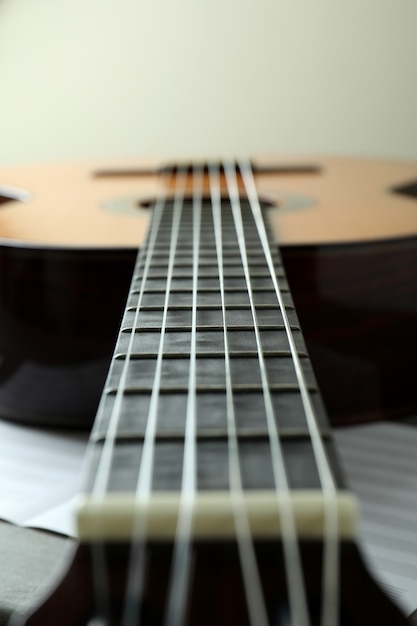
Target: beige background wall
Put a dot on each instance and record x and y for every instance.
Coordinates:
(87, 78)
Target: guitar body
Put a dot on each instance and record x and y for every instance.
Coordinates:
(68, 246)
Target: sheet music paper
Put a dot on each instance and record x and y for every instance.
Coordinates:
(39, 477)
(380, 464)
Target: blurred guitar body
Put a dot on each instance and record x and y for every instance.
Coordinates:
(347, 231)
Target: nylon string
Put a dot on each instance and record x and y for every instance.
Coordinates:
(330, 582)
(181, 568)
(250, 572)
(101, 480)
(296, 587)
(136, 569)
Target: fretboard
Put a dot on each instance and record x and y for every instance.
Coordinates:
(208, 329)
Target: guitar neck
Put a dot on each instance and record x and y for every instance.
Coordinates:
(210, 352)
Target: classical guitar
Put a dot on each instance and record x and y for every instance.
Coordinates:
(211, 491)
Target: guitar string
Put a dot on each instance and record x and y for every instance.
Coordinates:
(181, 568)
(102, 476)
(250, 572)
(330, 577)
(296, 589)
(136, 569)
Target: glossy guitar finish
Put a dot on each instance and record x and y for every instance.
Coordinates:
(348, 242)
(357, 305)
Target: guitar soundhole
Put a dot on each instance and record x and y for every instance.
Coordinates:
(407, 189)
(187, 171)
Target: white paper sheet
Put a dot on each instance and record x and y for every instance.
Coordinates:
(380, 464)
(39, 476)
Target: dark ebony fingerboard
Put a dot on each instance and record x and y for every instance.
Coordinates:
(211, 412)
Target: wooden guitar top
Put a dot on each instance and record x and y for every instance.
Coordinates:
(98, 204)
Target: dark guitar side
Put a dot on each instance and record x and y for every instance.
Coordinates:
(60, 310)
(357, 306)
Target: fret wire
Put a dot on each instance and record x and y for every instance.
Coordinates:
(247, 354)
(162, 276)
(212, 328)
(136, 569)
(296, 587)
(330, 611)
(181, 568)
(207, 307)
(211, 265)
(210, 388)
(214, 434)
(209, 290)
(251, 577)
